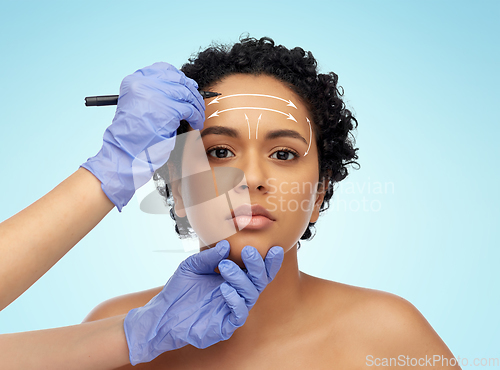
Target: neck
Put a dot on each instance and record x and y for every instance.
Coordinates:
(279, 305)
(280, 301)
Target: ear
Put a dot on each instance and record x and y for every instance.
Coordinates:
(320, 195)
(177, 195)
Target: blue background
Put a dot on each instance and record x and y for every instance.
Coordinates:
(421, 77)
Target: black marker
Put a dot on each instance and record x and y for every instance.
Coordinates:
(96, 101)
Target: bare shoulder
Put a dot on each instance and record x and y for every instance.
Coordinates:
(121, 305)
(378, 324)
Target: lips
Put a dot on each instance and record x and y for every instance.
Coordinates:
(250, 210)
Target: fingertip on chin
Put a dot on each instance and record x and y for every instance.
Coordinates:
(249, 251)
(223, 248)
(276, 251)
(224, 265)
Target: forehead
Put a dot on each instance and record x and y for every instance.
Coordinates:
(255, 97)
(247, 83)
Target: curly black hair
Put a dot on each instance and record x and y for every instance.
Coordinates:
(333, 122)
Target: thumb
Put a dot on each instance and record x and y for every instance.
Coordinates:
(206, 261)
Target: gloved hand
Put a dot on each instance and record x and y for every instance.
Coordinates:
(151, 104)
(197, 306)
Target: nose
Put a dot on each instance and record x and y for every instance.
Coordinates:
(256, 176)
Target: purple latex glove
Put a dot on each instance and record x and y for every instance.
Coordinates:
(198, 306)
(151, 104)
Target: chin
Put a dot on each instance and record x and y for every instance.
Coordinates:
(260, 240)
(240, 240)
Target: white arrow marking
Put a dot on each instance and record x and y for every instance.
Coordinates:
(216, 100)
(257, 130)
(217, 112)
(248, 123)
(310, 134)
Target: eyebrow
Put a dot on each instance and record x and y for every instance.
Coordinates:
(231, 132)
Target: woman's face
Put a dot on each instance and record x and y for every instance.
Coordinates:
(259, 126)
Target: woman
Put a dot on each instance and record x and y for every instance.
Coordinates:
(286, 127)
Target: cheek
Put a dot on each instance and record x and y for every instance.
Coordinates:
(293, 203)
(294, 196)
(294, 216)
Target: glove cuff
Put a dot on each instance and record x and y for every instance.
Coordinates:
(114, 171)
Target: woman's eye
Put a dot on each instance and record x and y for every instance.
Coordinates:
(220, 152)
(223, 153)
(284, 155)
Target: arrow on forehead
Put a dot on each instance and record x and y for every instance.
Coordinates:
(216, 100)
(217, 112)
